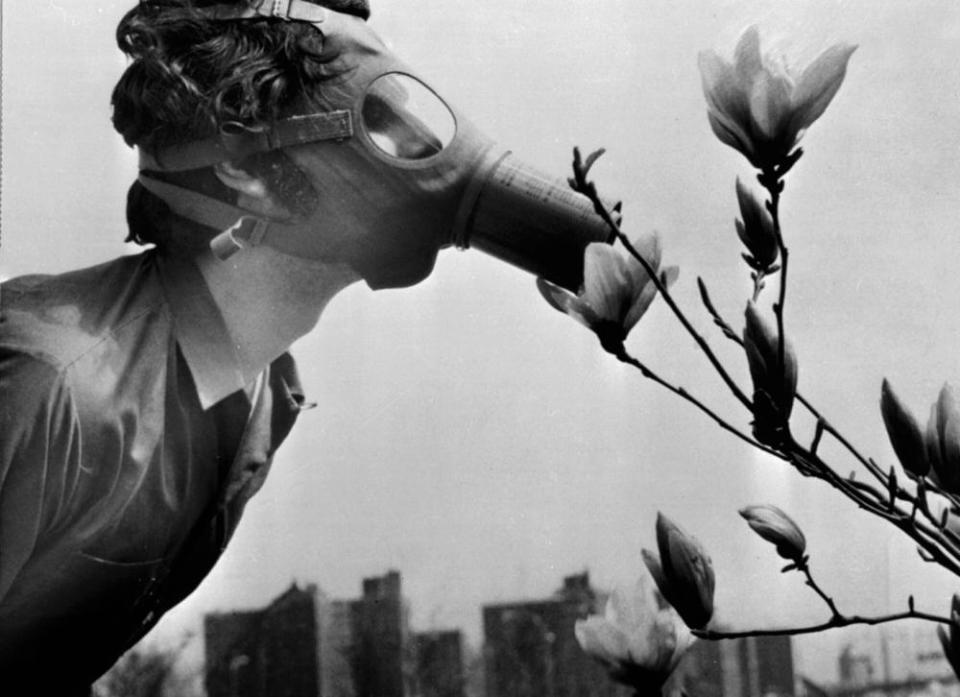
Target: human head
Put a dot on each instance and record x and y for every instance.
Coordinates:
(189, 74)
(396, 172)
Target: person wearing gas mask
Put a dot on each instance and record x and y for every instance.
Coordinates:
(285, 153)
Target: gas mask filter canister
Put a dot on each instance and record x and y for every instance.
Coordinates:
(399, 173)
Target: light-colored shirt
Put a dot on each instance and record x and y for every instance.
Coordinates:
(128, 448)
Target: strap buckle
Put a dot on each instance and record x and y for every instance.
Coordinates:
(292, 10)
(248, 231)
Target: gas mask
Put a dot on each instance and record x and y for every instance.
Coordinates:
(399, 173)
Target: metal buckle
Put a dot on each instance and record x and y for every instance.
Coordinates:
(238, 236)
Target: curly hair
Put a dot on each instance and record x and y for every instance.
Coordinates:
(190, 74)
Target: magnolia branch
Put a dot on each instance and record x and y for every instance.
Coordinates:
(590, 190)
(823, 424)
(836, 620)
(625, 357)
(938, 543)
(832, 623)
(933, 542)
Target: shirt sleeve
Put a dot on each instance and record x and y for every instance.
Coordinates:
(39, 457)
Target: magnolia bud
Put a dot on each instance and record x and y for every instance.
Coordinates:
(774, 385)
(756, 231)
(904, 433)
(943, 441)
(683, 572)
(777, 527)
(951, 641)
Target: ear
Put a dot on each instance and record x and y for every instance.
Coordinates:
(241, 181)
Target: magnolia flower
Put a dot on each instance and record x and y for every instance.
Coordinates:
(904, 433)
(950, 640)
(616, 289)
(756, 231)
(777, 527)
(759, 107)
(774, 386)
(943, 441)
(639, 639)
(683, 572)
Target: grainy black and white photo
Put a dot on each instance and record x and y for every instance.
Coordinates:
(382, 348)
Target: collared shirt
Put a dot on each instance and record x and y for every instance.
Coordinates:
(128, 448)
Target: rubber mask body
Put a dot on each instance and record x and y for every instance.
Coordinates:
(406, 176)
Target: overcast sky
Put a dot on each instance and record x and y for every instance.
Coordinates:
(483, 444)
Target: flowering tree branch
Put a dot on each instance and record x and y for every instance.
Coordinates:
(833, 623)
(778, 528)
(758, 108)
(583, 185)
(823, 425)
(625, 357)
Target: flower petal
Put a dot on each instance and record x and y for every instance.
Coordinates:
(818, 84)
(606, 283)
(949, 651)
(770, 104)
(558, 298)
(729, 133)
(652, 561)
(642, 288)
(604, 641)
(725, 95)
(647, 246)
(646, 296)
(747, 61)
(566, 303)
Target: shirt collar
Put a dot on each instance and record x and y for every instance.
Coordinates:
(200, 331)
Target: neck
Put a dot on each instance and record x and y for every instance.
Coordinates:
(269, 300)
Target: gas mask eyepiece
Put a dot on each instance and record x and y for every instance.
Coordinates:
(399, 174)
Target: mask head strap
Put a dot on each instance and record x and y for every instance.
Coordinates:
(239, 228)
(289, 10)
(236, 141)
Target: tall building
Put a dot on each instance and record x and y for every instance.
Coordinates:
(895, 658)
(440, 664)
(275, 652)
(306, 645)
(380, 646)
(751, 667)
(530, 649)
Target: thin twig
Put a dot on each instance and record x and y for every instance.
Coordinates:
(822, 422)
(870, 465)
(804, 567)
(591, 191)
(833, 623)
(625, 357)
(808, 463)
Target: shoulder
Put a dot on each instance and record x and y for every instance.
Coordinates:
(56, 319)
(29, 387)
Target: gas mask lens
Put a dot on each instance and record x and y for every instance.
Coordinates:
(405, 119)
